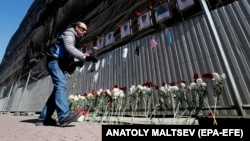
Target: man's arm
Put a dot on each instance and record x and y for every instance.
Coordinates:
(69, 43)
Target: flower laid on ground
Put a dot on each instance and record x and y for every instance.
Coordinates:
(217, 87)
(141, 97)
(198, 89)
(101, 106)
(104, 103)
(118, 102)
(92, 102)
(83, 113)
(76, 101)
(196, 92)
(164, 99)
(172, 96)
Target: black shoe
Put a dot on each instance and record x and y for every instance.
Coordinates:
(49, 122)
(70, 118)
(39, 122)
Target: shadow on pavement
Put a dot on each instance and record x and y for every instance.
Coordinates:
(33, 121)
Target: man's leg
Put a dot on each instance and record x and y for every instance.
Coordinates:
(62, 107)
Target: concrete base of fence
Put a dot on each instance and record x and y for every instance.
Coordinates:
(19, 113)
(224, 120)
(142, 121)
(5, 113)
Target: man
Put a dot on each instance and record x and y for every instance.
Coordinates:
(59, 57)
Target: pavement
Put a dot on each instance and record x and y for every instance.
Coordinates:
(22, 128)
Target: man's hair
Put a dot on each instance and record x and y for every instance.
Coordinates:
(76, 23)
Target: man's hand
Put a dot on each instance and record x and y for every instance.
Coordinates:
(85, 56)
(94, 48)
(91, 58)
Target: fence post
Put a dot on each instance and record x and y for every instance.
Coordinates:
(6, 102)
(222, 53)
(27, 82)
(2, 91)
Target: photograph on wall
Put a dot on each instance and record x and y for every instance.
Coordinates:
(185, 4)
(162, 12)
(144, 20)
(109, 38)
(89, 47)
(100, 42)
(126, 29)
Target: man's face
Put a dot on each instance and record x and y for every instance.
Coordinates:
(81, 29)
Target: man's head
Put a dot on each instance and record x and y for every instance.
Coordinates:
(80, 28)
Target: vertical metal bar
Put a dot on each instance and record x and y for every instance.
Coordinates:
(215, 33)
(1, 96)
(27, 82)
(6, 102)
(2, 91)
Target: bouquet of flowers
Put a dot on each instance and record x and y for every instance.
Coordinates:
(141, 96)
(76, 102)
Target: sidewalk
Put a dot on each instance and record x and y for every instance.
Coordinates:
(22, 128)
